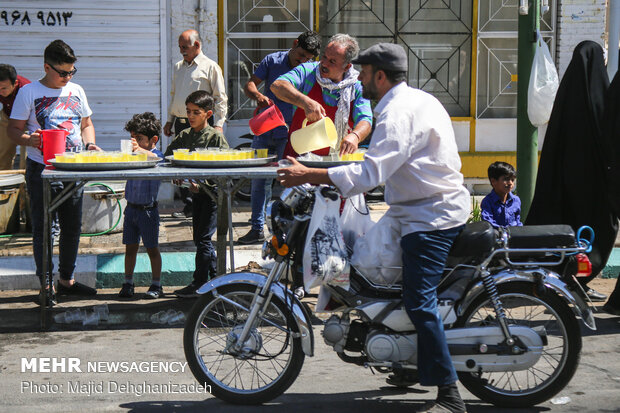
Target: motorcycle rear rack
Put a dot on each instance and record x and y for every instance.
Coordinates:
(560, 252)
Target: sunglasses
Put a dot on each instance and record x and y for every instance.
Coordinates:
(62, 73)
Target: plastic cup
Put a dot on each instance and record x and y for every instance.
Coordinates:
(126, 146)
(284, 163)
(177, 318)
(262, 153)
(75, 316)
(162, 317)
(156, 318)
(91, 319)
(60, 318)
(141, 157)
(102, 310)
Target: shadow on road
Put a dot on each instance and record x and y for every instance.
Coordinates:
(380, 400)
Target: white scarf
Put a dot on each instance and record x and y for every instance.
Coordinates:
(347, 93)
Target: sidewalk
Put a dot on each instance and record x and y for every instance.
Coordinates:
(100, 260)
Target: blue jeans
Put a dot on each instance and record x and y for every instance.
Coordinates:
(69, 218)
(204, 224)
(274, 140)
(424, 258)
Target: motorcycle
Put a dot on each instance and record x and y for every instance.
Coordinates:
(510, 315)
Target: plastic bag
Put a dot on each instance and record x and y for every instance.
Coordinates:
(355, 220)
(378, 255)
(325, 258)
(543, 85)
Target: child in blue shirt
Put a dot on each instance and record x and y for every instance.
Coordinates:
(141, 214)
(501, 207)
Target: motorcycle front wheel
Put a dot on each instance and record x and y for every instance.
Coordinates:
(268, 363)
(559, 358)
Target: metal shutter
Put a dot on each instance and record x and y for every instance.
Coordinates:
(118, 46)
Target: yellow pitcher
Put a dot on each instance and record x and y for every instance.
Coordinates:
(317, 135)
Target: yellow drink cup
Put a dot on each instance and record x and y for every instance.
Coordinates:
(180, 154)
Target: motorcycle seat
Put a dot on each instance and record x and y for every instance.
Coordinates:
(541, 236)
(476, 239)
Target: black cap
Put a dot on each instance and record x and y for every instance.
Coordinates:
(387, 56)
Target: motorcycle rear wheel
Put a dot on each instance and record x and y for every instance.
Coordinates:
(259, 375)
(560, 357)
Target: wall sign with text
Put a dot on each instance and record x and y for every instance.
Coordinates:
(42, 17)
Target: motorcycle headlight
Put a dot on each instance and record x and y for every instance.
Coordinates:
(278, 217)
(292, 196)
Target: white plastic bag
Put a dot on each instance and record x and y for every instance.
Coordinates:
(325, 258)
(355, 220)
(378, 255)
(543, 85)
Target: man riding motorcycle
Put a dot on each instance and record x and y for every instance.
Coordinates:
(414, 152)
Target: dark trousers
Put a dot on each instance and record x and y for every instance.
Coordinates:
(186, 196)
(424, 258)
(275, 141)
(69, 218)
(204, 223)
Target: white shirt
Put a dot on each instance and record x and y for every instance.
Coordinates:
(46, 108)
(201, 74)
(414, 152)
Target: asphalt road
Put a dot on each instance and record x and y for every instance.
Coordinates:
(325, 384)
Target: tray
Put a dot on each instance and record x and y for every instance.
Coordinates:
(236, 163)
(325, 164)
(104, 166)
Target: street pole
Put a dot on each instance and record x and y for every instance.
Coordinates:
(527, 134)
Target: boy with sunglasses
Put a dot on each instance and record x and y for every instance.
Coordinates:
(54, 102)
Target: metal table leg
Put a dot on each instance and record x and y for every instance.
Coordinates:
(46, 259)
(50, 206)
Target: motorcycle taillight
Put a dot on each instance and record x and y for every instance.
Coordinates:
(584, 266)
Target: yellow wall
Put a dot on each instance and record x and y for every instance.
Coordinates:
(475, 164)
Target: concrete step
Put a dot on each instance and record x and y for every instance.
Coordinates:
(108, 270)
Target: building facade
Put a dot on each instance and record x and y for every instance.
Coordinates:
(463, 51)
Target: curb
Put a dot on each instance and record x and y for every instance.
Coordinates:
(108, 270)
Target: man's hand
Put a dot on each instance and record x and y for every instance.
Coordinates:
(314, 110)
(93, 147)
(35, 139)
(348, 144)
(293, 175)
(263, 101)
(134, 145)
(168, 129)
(194, 188)
(219, 129)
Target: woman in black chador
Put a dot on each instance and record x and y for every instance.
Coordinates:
(572, 186)
(611, 133)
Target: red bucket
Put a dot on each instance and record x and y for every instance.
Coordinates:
(53, 141)
(267, 120)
